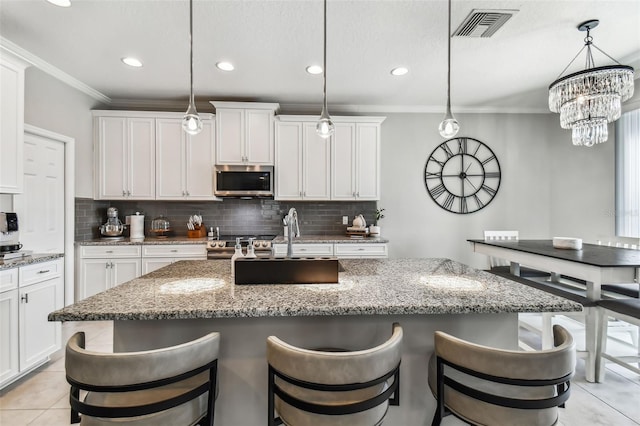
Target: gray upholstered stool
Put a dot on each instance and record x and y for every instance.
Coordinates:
(489, 386)
(168, 386)
(321, 388)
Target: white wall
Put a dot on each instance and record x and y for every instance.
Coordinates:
(548, 186)
(55, 106)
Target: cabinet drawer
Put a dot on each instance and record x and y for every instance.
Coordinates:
(175, 250)
(40, 272)
(361, 250)
(8, 279)
(304, 249)
(110, 251)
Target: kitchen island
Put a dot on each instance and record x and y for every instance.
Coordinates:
(189, 298)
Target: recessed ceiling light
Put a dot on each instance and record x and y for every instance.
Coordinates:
(399, 71)
(132, 62)
(314, 69)
(61, 3)
(225, 66)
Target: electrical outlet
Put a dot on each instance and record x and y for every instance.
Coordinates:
(345, 220)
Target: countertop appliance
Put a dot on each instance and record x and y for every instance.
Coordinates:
(223, 248)
(113, 228)
(10, 247)
(243, 181)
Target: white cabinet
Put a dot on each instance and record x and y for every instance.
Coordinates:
(343, 167)
(9, 361)
(303, 161)
(244, 132)
(157, 256)
(27, 338)
(355, 161)
(304, 249)
(184, 163)
(103, 267)
(11, 123)
(124, 156)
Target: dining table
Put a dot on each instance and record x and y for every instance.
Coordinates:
(594, 264)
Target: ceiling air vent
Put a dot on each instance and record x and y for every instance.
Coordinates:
(483, 23)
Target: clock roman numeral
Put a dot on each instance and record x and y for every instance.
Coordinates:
(462, 145)
(493, 157)
(448, 202)
(479, 203)
(447, 150)
(492, 175)
(436, 161)
(431, 175)
(463, 205)
(437, 191)
(488, 190)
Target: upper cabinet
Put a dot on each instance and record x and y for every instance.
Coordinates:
(343, 167)
(11, 123)
(244, 132)
(184, 163)
(302, 169)
(125, 157)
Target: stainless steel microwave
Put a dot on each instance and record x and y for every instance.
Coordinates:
(243, 181)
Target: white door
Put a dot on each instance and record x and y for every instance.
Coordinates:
(9, 365)
(38, 336)
(288, 164)
(230, 132)
(151, 264)
(170, 158)
(317, 163)
(259, 136)
(199, 163)
(123, 270)
(41, 211)
(95, 276)
(112, 179)
(368, 161)
(142, 161)
(343, 162)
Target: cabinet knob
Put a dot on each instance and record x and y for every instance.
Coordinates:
(188, 193)
(124, 193)
(25, 298)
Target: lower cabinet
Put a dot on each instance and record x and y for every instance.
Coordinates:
(341, 251)
(27, 338)
(103, 267)
(157, 256)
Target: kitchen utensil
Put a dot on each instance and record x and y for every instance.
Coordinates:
(113, 227)
(359, 222)
(160, 227)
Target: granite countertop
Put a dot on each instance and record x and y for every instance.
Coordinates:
(329, 239)
(204, 289)
(147, 241)
(28, 260)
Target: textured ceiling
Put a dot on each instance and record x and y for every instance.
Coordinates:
(271, 43)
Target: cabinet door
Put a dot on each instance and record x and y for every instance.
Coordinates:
(316, 165)
(259, 136)
(368, 161)
(38, 336)
(94, 277)
(343, 162)
(288, 164)
(9, 362)
(123, 270)
(112, 157)
(230, 136)
(170, 153)
(12, 128)
(199, 163)
(141, 155)
(154, 263)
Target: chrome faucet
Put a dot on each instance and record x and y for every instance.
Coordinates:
(293, 229)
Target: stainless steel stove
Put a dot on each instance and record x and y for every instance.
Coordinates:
(224, 247)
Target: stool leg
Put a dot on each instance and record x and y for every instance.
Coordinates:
(602, 346)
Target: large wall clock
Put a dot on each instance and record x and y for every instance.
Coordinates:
(462, 175)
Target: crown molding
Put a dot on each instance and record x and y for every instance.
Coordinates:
(46, 67)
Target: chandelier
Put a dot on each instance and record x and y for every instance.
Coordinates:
(587, 100)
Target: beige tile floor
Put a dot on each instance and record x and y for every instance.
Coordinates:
(41, 399)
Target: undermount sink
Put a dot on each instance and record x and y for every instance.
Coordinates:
(296, 270)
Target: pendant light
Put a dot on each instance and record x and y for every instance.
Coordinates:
(449, 127)
(325, 127)
(191, 122)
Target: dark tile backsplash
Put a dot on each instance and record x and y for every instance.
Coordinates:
(233, 216)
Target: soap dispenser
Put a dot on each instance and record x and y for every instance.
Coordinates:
(251, 254)
(237, 254)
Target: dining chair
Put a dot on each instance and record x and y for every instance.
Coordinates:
(168, 386)
(329, 388)
(501, 265)
(488, 386)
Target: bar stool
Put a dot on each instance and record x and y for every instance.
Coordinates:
(168, 386)
(322, 388)
(489, 386)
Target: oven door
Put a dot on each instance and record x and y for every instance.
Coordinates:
(243, 181)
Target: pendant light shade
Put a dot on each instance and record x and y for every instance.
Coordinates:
(588, 100)
(449, 127)
(325, 127)
(191, 122)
